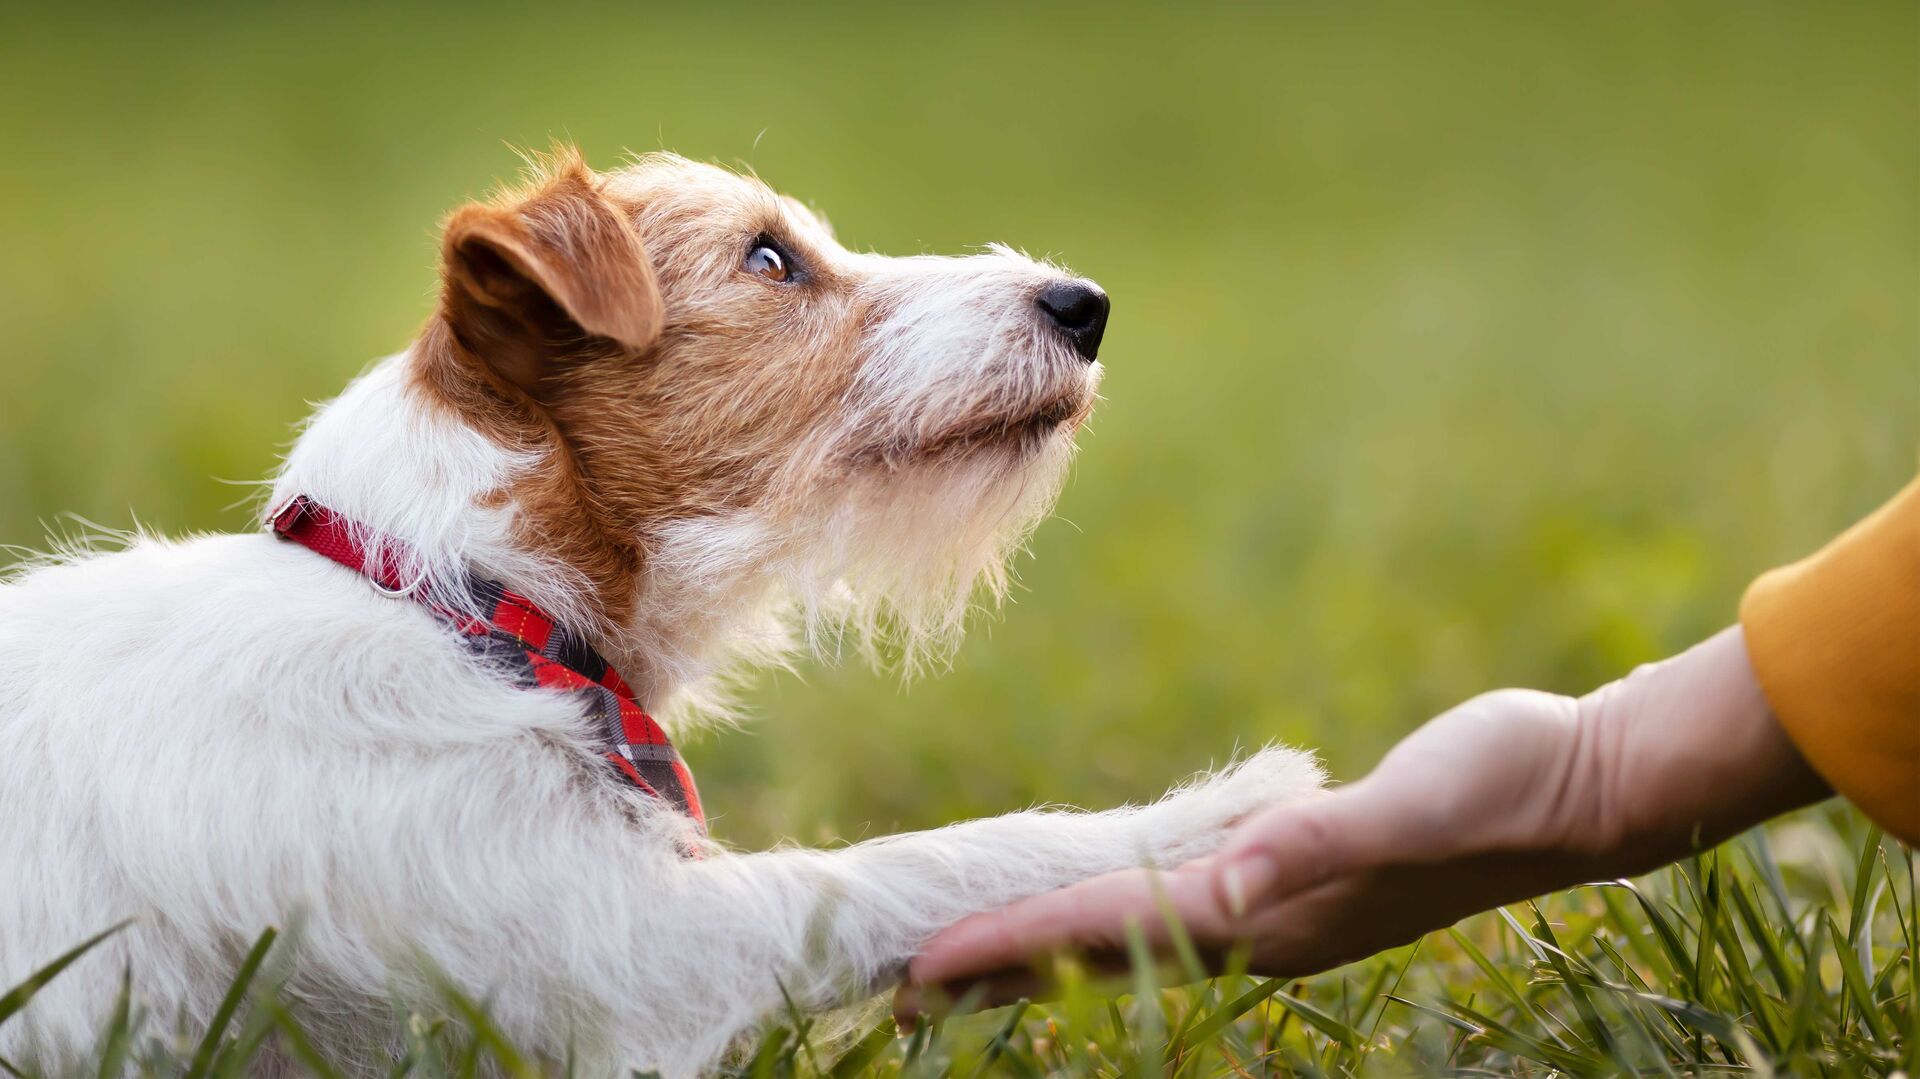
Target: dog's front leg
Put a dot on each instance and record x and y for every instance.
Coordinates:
(819, 927)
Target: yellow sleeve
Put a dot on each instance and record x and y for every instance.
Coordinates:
(1835, 640)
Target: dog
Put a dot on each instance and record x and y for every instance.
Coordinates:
(660, 429)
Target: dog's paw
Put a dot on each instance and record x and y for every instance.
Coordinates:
(1191, 821)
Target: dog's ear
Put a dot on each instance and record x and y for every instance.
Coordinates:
(533, 279)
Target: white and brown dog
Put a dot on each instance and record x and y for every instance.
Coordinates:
(661, 423)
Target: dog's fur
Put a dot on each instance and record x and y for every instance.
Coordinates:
(702, 467)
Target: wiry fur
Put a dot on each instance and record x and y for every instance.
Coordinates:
(698, 465)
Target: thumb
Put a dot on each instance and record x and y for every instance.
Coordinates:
(1298, 846)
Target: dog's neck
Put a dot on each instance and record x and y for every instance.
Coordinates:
(414, 473)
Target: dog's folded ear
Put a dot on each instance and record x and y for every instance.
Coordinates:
(533, 279)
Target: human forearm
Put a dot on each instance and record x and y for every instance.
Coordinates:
(1687, 752)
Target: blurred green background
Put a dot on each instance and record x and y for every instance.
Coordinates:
(1454, 346)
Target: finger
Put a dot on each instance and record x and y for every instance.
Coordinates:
(1092, 915)
(1292, 848)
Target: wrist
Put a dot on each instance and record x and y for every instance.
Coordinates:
(1687, 752)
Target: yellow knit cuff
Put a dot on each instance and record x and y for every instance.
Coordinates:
(1835, 640)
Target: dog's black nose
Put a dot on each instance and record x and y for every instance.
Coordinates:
(1079, 308)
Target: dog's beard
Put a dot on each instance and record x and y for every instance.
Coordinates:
(886, 561)
(910, 549)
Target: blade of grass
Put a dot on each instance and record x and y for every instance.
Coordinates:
(1563, 963)
(1740, 979)
(1912, 928)
(424, 1051)
(1629, 926)
(1183, 948)
(1197, 1005)
(917, 1042)
(1217, 1020)
(766, 1058)
(237, 1059)
(298, 1045)
(1493, 974)
(1319, 1020)
(1910, 1063)
(864, 1051)
(1653, 1037)
(1453, 1021)
(17, 997)
(1670, 941)
(1663, 1038)
(1705, 965)
(1760, 853)
(1893, 893)
(119, 1036)
(1858, 997)
(1724, 1029)
(1152, 1021)
(469, 1063)
(230, 1003)
(1862, 877)
(483, 1027)
(1765, 937)
(1807, 997)
(1629, 929)
(1883, 983)
(1620, 964)
(1504, 1037)
(1387, 997)
(1538, 948)
(1375, 984)
(802, 1026)
(1003, 1037)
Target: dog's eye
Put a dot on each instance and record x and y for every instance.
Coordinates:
(767, 261)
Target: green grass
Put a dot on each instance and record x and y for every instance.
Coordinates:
(1735, 963)
(1454, 346)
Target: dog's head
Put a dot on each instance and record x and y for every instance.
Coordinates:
(724, 391)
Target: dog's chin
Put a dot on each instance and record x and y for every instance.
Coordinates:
(1014, 435)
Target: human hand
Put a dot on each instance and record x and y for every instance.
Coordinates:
(1508, 795)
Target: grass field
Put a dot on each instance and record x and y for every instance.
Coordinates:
(1454, 346)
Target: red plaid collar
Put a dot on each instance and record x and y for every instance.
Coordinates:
(524, 642)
